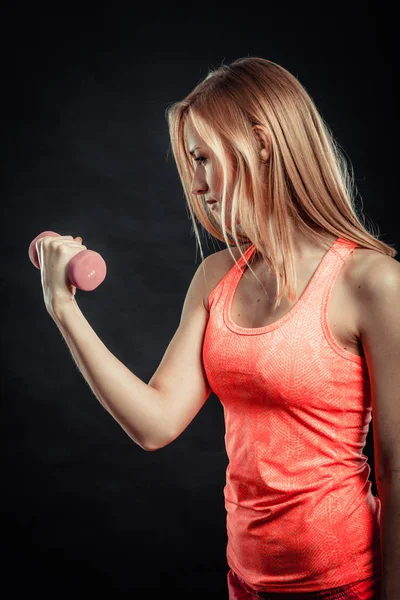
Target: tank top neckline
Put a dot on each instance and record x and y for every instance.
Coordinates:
(279, 322)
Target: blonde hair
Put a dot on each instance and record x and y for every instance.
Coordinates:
(305, 184)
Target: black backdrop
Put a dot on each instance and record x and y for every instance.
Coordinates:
(85, 151)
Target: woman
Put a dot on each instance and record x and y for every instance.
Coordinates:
(284, 327)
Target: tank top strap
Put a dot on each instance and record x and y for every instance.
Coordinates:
(337, 253)
(313, 298)
(328, 269)
(321, 281)
(247, 254)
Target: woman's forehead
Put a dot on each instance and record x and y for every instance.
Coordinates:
(191, 134)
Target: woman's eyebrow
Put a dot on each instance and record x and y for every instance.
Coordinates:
(193, 149)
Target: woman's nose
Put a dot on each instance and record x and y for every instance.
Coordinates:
(199, 186)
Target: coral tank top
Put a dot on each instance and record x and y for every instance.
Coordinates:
(300, 514)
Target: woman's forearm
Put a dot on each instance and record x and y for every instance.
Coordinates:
(134, 404)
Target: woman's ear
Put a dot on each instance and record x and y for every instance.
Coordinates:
(264, 141)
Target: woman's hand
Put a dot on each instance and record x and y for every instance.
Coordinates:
(54, 254)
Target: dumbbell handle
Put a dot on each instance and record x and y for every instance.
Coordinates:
(86, 270)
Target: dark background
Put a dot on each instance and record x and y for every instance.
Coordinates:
(85, 151)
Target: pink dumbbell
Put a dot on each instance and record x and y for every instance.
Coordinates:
(86, 270)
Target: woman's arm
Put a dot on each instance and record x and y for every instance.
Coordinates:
(134, 404)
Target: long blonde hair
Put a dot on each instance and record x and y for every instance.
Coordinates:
(305, 184)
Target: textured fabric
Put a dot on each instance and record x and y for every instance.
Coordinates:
(301, 516)
(367, 589)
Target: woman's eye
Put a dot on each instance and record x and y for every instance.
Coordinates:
(200, 160)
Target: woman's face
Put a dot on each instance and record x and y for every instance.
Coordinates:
(207, 179)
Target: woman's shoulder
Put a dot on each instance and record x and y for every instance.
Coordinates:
(218, 265)
(222, 261)
(361, 261)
